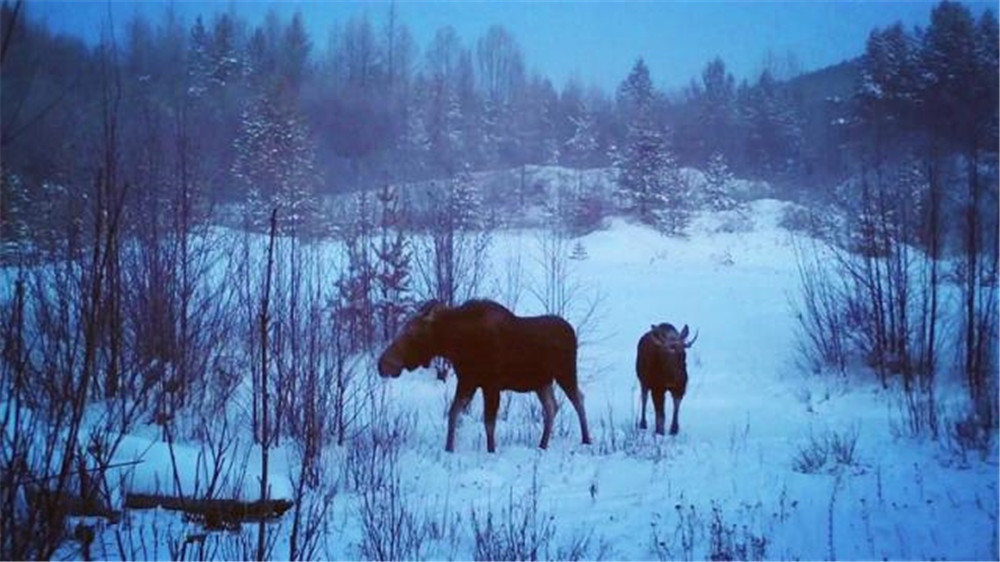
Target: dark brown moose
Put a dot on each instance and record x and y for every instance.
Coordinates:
(492, 349)
(661, 364)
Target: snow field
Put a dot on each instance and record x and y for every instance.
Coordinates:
(734, 483)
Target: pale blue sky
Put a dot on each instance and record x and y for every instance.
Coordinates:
(595, 40)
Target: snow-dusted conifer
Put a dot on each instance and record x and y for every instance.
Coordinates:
(275, 163)
(645, 166)
(199, 59)
(718, 184)
(356, 285)
(649, 182)
(582, 146)
(464, 202)
(393, 266)
(415, 142)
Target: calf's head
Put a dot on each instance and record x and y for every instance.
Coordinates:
(673, 346)
(414, 346)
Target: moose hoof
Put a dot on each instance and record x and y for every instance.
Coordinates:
(673, 431)
(586, 441)
(642, 424)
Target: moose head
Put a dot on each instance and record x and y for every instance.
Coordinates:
(416, 343)
(670, 340)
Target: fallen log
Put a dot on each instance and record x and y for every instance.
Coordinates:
(214, 513)
(69, 503)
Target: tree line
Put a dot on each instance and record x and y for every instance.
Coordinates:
(915, 268)
(235, 111)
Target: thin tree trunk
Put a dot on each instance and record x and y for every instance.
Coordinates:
(265, 438)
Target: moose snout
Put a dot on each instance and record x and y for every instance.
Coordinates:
(389, 365)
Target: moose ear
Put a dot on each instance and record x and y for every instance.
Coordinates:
(433, 310)
(652, 327)
(684, 332)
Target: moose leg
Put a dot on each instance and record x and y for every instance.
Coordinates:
(658, 398)
(677, 406)
(645, 397)
(575, 396)
(491, 404)
(462, 396)
(548, 413)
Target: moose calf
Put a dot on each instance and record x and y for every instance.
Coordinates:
(661, 365)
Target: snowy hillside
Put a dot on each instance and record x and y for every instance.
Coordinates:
(770, 462)
(524, 196)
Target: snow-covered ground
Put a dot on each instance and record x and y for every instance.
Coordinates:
(727, 485)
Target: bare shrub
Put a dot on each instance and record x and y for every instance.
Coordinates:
(830, 450)
(585, 212)
(812, 456)
(819, 312)
(729, 541)
(678, 543)
(579, 547)
(559, 291)
(626, 437)
(449, 257)
(509, 285)
(55, 459)
(797, 218)
(843, 447)
(743, 534)
(315, 490)
(518, 532)
(967, 436)
(392, 529)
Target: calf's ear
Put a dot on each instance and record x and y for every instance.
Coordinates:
(684, 332)
(652, 327)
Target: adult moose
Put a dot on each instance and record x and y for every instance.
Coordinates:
(661, 364)
(492, 349)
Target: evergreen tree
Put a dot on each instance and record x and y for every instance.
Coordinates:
(261, 57)
(649, 182)
(718, 183)
(275, 163)
(636, 96)
(988, 80)
(642, 166)
(464, 204)
(888, 92)
(392, 270)
(415, 142)
(491, 121)
(581, 147)
(199, 59)
(715, 106)
(444, 128)
(774, 129)
(225, 63)
(357, 283)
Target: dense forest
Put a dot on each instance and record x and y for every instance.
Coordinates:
(196, 102)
